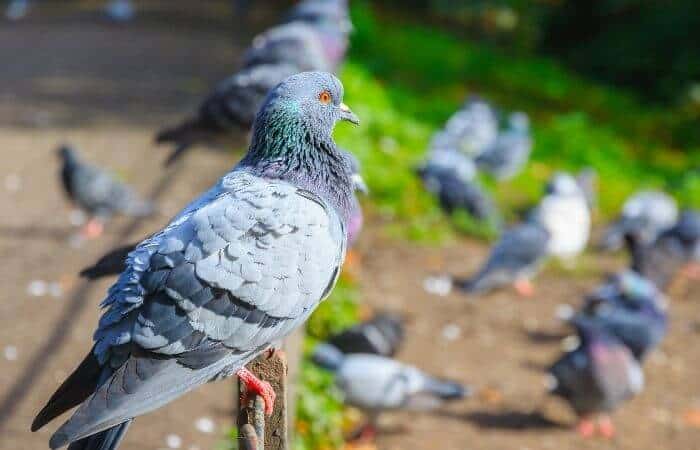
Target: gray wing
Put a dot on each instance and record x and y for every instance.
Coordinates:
(99, 192)
(237, 270)
(519, 252)
(237, 99)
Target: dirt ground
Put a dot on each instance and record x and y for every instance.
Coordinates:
(70, 76)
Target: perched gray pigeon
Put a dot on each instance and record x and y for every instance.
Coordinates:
(381, 335)
(451, 177)
(675, 250)
(506, 156)
(229, 108)
(238, 269)
(596, 378)
(630, 308)
(375, 384)
(564, 212)
(97, 192)
(646, 214)
(515, 259)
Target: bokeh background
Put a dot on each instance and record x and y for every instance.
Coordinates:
(610, 84)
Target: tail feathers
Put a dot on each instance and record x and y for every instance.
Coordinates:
(447, 390)
(179, 133)
(77, 387)
(108, 439)
(177, 153)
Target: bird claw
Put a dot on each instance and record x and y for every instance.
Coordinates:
(606, 428)
(262, 388)
(585, 428)
(92, 229)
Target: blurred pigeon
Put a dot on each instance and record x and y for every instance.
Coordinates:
(120, 10)
(229, 108)
(563, 211)
(646, 214)
(515, 259)
(630, 308)
(382, 335)
(17, 9)
(295, 43)
(97, 192)
(596, 378)
(450, 176)
(587, 180)
(471, 130)
(375, 384)
(111, 263)
(675, 250)
(506, 156)
(238, 269)
(331, 21)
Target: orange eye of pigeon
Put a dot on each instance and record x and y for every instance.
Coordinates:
(324, 97)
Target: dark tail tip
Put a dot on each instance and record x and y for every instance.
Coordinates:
(176, 154)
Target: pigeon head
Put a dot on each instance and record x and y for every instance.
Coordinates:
(563, 184)
(305, 104)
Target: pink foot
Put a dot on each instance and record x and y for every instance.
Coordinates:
(692, 271)
(524, 287)
(92, 229)
(585, 428)
(606, 427)
(262, 388)
(368, 433)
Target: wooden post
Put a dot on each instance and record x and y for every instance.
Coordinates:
(258, 432)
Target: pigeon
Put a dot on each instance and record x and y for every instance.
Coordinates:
(563, 211)
(676, 249)
(596, 377)
(515, 259)
(230, 108)
(451, 177)
(506, 156)
(294, 43)
(239, 268)
(647, 214)
(630, 308)
(97, 192)
(471, 130)
(331, 21)
(375, 384)
(382, 335)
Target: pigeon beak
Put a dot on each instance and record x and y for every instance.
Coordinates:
(347, 114)
(360, 184)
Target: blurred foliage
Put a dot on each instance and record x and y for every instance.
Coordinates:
(404, 80)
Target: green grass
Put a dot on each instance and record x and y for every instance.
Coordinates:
(404, 80)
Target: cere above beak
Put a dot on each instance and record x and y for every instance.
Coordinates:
(347, 114)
